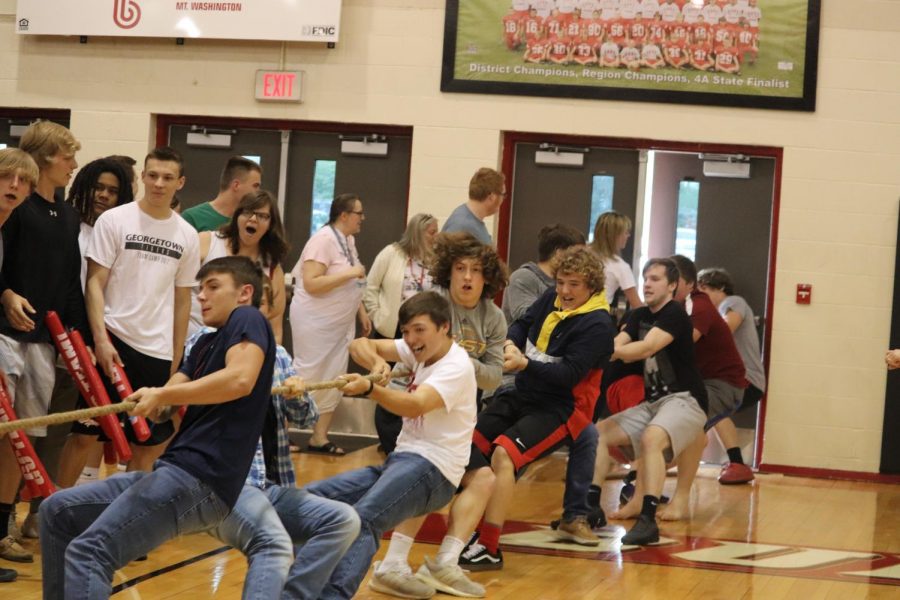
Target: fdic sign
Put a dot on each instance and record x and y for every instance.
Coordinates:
(294, 21)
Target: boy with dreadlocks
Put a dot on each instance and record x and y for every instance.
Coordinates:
(100, 185)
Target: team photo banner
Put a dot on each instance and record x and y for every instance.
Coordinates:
(293, 21)
(745, 53)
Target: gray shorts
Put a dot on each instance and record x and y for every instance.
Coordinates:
(679, 414)
(724, 400)
(30, 373)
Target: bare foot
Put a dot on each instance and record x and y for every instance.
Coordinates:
(629, 511)
(675, 510)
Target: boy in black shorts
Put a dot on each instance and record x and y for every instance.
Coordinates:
(142, 261)
(89, 531)
(559, 349)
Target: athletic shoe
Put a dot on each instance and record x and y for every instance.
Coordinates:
(577, 530)
(30, 528)
(450, 579)
(645, 531)
(596, 518)
(402, 584)
(476, 557)
(735, 473)
(7, 575)
(11, 550)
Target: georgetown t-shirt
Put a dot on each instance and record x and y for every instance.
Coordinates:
(147, 258)
(672, 369)
(216, 442)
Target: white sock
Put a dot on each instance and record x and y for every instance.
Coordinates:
(88, 474)
(397, 557)
(448, 553)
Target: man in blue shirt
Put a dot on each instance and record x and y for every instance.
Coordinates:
(486, 193)
(92, 530)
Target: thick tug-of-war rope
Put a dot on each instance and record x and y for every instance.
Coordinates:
(109, 409)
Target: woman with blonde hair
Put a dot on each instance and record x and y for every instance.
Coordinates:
(400, 271)
(611, 234)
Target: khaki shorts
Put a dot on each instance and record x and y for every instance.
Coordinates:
(679, 414)
(30, 374)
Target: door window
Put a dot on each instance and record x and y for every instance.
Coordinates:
(601, 200)
(322, 193)
(686, 223)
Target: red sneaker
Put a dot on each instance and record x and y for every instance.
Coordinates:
(733, 473)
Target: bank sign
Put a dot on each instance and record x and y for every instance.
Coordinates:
(294, 21)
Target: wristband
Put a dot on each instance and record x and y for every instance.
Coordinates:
(366, 393)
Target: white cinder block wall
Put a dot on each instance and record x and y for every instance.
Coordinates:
(840, 185)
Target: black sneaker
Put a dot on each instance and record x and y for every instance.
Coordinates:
(7, 575)
(596, 518)
(645, 531)
(476, 557)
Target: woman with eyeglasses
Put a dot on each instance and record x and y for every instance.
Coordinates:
(329, 280)
(400, 271)
(255, 231)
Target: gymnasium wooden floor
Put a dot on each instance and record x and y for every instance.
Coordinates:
(781, 537)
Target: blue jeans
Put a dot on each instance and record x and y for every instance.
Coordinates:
(322, 530)
(579, 473)
(263, 525)
(91, 530)
(406, 485)
(253, 528)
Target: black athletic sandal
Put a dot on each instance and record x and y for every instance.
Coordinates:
(329, 448)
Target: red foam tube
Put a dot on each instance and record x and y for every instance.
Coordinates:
(123, 387)
(78, 362)
(37, 481)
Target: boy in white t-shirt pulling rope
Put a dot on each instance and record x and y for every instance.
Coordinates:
(438, 410)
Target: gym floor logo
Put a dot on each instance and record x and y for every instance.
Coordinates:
(713, 554)
(126, 13)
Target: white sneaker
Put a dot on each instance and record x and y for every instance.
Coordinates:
(400, 583)
(450, 579)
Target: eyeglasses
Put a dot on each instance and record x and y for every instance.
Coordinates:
(262, 217)
(357, 212)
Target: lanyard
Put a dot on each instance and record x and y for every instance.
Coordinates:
(345, 248)
(421, 282)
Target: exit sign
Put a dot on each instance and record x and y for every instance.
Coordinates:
(278, 86)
